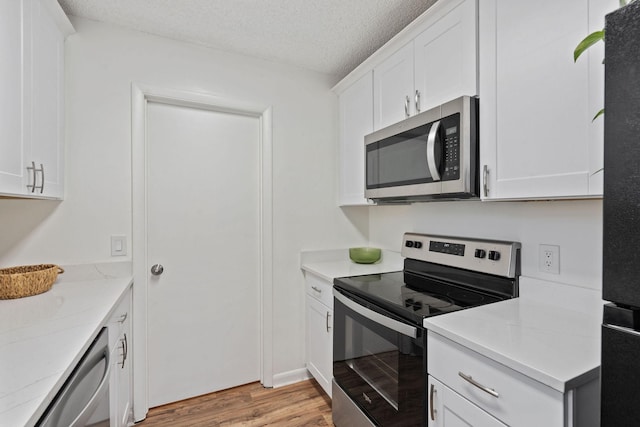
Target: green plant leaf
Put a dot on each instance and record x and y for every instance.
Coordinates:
(598, 114)
(587, 42)
(623, 3)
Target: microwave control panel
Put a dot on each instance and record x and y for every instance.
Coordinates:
(451, 143)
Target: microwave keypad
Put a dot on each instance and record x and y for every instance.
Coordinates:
(451, 157)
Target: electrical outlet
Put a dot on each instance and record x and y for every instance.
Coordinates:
(549, 259)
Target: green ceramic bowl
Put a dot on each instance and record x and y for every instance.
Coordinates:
(364, 255)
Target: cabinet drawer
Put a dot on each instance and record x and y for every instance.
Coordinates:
(320, 289)
(521, 401)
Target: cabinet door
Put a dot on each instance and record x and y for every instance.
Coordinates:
(12, 67)
(320, 342)
(123, 367)
(356, 121)
(446, 408)
(393, 93)
(122, 357)
(534, 116)
(446, 55)
(47, 94)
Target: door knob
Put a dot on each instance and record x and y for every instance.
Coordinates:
(157, 269)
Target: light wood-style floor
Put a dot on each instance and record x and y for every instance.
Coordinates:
(300, 404)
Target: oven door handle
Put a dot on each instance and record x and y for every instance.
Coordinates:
(401, 328)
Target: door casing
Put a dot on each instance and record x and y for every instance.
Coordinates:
(140, 95)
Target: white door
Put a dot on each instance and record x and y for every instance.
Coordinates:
(204, 228)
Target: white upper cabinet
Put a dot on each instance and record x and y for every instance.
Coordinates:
(32, 147)
(356, 121)
(432, 61)
(537, 139)
(436, 66)
(12, 171)
(393, 88)
(47, 100)
(446, 65)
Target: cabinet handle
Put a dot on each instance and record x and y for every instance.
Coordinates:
(32, 168)
(42, 182)
(485, 179)
(432, 410)
(417, 101)
(470, 380)
(318, 290)
(327, 321)
(125, 350)
(406, 106)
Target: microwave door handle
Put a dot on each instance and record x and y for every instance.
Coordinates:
(431, 151)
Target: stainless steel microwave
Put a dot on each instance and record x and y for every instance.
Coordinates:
(430, 156)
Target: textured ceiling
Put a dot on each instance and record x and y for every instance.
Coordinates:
(329, 36)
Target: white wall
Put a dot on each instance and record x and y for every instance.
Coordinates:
(101, 63)
(575, 226)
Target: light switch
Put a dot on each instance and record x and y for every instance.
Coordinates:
(118, 245)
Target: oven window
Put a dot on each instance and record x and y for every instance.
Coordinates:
(374, 359)
(380, 369)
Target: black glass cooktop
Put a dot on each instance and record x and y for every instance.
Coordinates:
(423, 297)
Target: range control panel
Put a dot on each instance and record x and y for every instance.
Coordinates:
(486, 256)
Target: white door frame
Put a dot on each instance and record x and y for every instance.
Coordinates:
(140, 96)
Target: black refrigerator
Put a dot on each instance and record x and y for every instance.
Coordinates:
(620, 369)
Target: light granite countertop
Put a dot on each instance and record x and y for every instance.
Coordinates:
(43, 337)
(329, 264)
(553, 341)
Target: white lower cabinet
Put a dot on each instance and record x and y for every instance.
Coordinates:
(448, 409)
(319, 330)
(122, 356)
(469, 386)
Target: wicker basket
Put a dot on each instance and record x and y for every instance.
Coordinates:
(27, 280)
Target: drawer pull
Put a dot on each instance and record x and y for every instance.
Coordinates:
(318, 290)
(488, 390)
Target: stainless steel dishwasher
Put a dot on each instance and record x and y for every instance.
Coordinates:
(83, 400)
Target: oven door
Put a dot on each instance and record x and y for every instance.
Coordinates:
(378, 361)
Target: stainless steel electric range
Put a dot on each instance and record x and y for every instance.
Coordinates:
(379, 347)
